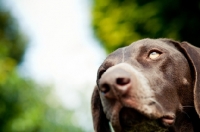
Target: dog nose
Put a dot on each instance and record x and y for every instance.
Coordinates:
(115, 82)
(122, 81)
(122, 85)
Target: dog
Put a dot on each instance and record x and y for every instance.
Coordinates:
(150, 85)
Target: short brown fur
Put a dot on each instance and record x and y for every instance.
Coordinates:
(168, 94)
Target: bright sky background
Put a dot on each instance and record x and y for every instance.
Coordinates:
(62, 49)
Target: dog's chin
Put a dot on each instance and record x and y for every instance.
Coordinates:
(133, 121)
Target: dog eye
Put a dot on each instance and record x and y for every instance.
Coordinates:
(154, 54)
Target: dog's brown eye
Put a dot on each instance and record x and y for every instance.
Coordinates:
(154, 54)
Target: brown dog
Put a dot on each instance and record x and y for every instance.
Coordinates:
(152, 80)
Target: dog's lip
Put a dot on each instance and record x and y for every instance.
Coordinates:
(168, 120)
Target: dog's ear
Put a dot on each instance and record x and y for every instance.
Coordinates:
(100, 122)
(194, 56)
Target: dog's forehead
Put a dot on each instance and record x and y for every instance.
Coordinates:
(140, 46)
(136, 49)
(149, 43)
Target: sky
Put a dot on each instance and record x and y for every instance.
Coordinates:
(62, 51)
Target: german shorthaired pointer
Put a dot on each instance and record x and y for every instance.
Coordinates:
(152, 85)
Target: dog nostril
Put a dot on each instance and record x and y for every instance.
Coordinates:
(123, 81)
(105, 88)
(152, 103)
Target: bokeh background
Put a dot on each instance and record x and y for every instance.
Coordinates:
(50, 51)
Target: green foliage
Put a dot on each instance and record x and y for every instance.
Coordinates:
(24, 105)
(117, 23)
(12, 41)
(27, 107)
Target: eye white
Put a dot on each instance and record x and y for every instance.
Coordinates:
(154, 55)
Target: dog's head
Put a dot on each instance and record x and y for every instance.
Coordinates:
(152, 81)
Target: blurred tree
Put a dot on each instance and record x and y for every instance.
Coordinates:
(119, 22)
(24, 105)
(27, 107)
(12, 43)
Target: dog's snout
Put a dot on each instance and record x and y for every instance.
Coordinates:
(115, 82)
(120, 85)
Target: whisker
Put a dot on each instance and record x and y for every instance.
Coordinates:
(188, 106)
(186, 114)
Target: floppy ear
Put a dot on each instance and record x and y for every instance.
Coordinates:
(194, 55)
(100, 122)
